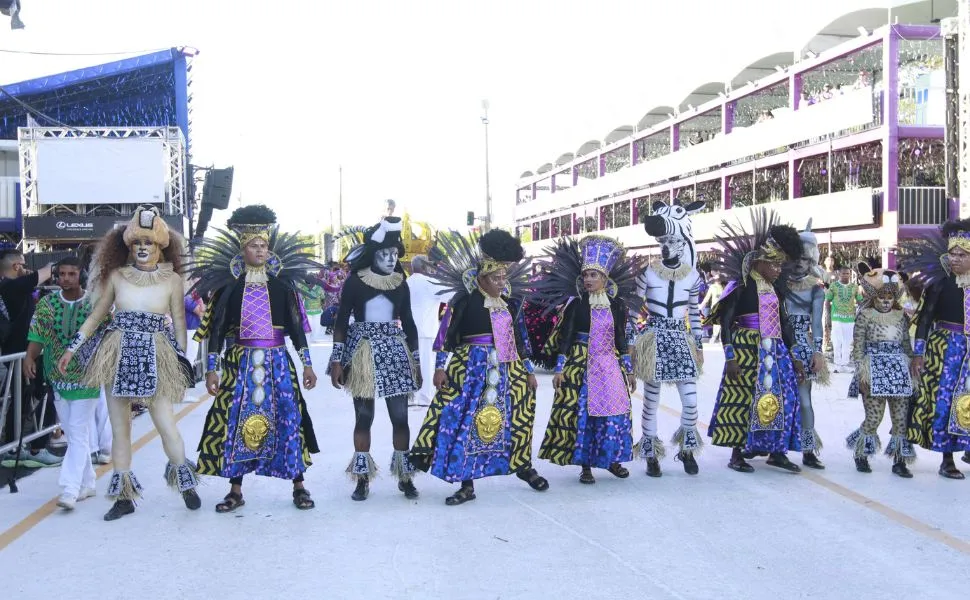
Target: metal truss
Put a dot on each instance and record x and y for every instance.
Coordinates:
(963, 99)
(173, 143)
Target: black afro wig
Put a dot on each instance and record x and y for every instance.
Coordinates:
(254, 214)
(501, 246)
(951, 227)
(787, 239)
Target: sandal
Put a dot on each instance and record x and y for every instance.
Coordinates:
(231, 502)
(619, 470)
(586, 476)
(463, 495)
(302, 499)
(535, 481)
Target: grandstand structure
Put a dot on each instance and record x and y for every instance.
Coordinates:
(848, 130)
(146, 95)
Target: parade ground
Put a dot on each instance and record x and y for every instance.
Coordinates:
(835, 533)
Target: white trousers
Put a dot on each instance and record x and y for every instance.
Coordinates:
(317, 328)
(427, 391)
(77, 420)
(101, 429)
(842, 342)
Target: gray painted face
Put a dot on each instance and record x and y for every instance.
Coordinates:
(384, 260)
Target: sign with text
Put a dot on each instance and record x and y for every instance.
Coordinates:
(81, 227)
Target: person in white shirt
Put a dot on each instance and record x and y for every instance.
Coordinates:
(425, 303)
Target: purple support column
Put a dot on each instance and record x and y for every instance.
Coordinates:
(602, 163)
(795, 90)
(634, 153)
(634, 212)
(794, 180)
(890, 146)
(535, 189)
(727, 117)
(675, 137)
(552, 184)
(726, 193)
(575, 169)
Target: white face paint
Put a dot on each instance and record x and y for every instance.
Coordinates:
(146, 252)
(385, 260)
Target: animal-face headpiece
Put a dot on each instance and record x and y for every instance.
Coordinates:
(880, 281)
(670, 225)
(147, 223)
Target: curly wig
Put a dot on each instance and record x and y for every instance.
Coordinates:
(951, 227)
(254, 214)
(112, 253)
(788, 240)
(501, 246)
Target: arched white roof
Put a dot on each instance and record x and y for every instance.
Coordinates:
(655, 115)
(544, 169)
(821, 33)
(623, 131)
(565, 158)
(588, 147)
(526, 174)
(701, 94)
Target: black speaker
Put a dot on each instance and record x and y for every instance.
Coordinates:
(217, 188)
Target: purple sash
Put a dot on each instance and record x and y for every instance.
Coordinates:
(256, 319)
(503, 335)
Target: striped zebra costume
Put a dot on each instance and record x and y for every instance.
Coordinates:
(668, 351)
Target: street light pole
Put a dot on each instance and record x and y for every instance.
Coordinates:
(487, 224)
(340, 200)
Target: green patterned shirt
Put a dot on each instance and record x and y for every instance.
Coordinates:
(844, 298)
(54, 324)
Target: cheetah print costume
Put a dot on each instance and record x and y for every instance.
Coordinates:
(882, 353)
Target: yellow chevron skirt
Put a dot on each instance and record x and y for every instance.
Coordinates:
(470, 432)
(940, 419)
(258, 423)
(732, 424)
(575, 438)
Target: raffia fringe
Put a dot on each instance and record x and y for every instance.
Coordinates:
(863, 373)
(857, 443)
(124, 486)
(895, 450)
(401, 467)
(680, 437)
(646, 367)
(824, 377)
(361, 381)
(182, 477)
(372, 469)
(640, 448)
(103, 367)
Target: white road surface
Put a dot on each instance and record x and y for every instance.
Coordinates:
(830, 534)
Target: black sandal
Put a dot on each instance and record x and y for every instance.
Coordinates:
(231, 502)
(619, 470)
(535, 481)
(302, 499)
(463, 495)
(586, 476)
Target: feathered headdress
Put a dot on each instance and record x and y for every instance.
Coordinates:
(461, 259)
(562, 274)
(219, 261)
(768, 241)
(925, 257)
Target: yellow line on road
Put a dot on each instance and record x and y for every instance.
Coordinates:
(33, 519)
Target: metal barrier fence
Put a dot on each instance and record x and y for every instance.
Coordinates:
(12, 400)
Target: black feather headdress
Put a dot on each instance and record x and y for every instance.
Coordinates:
(561, 278)
(925, 257)
(462, 258)
(768, 240)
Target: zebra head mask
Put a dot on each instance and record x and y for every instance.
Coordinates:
(670, 225)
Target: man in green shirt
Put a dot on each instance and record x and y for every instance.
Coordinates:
(842, 298)
(56, 319)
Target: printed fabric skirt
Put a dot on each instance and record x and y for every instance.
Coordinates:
(575, 438)
(804, 350)
(134, 357)
(377, 363)
(480, 423)
(885, 369)
(940, 419)
(759, 411)
(667, 352)
(258, 422)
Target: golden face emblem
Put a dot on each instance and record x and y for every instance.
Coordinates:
(768, 408)
(255, 430)
(963, 411)
(488, 421)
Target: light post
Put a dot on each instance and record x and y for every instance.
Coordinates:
(487, 223)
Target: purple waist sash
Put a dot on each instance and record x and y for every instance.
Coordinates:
(750, 321)
(951, 327)
(478, 340)
(279, 339)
